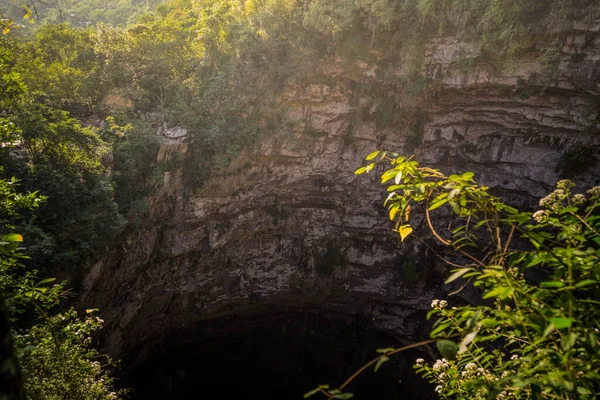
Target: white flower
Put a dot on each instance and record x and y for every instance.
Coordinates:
(443, 303)
(578, 199)
(514, 357)
(471, 366)
(438, 389)
(440, 364)
(540, 215)
(595, 191)
(434, 303)
(553, 199)
(420, 362)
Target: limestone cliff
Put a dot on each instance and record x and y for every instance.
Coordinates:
(288, 227)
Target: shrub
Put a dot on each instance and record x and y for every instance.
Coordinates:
(534, 332)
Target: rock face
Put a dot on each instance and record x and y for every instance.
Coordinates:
(288, 227)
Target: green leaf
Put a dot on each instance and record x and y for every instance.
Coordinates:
(386, 350)
(472, 322)
(439, 201)
(507, 209)
(552, 284)
(46, 281)
(586, 282)
(314, 391)
(561, 323)
(502, 292)
(393, 211)
(440, 328)
(468, 176)
(568, 341)
(382, 359)
(547, 331)
(447, 349)
(453, 193)
(455, 207)
(457, 274)
(343, 396)
(373, 155)
(12, 237)
(387, 175)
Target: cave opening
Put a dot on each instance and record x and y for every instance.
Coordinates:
(274, 355)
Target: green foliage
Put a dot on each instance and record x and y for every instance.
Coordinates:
(76, 13)
(62, 65)
(15, 283)
(540, 337)
(58, 361)
(134, 153)
(576, 160)
(51, 153)
(55, 356)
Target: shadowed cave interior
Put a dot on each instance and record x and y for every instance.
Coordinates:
(273, 355)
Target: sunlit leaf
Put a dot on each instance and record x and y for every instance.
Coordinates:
(561, 323)
(393, 211)
(373, 155)
(466, 341)
(404, 231)
(12, 237)
(398, 178)
(457, 274)
(502, 292)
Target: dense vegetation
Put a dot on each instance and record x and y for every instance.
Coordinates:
(81, 100)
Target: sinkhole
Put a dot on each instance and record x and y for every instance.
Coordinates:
(274, 354)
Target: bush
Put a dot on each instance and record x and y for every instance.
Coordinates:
(58, 361)
(534, 333)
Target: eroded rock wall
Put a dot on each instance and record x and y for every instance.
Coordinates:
(288, 226)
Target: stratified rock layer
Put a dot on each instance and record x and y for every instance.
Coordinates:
(288, 226)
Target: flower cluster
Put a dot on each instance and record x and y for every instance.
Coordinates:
(595, 191)
(553, 200)
(564, 184)
(440, 364)
(470, 369)
(439, 304)
(541, 216)
(578, 199)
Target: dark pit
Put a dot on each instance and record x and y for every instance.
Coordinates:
(272, 355)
